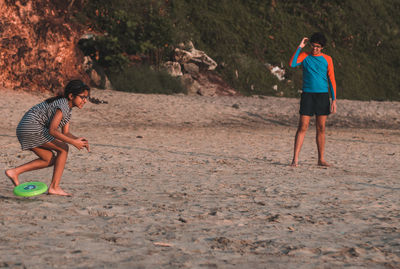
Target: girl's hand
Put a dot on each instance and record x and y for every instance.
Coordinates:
(87, 144)
(81, 143)
(303, 42)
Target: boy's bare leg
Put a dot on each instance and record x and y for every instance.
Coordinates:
(46, 159)
(304, 122)
(320, 138)
(59, 164)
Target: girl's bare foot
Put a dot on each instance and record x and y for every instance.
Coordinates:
(58, 191)
(323, 163)
(12, 176)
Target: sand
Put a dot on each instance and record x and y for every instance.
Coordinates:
(197, 182)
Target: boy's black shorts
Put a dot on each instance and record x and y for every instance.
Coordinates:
(315, 104)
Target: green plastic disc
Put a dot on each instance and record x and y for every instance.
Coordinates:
(28, 189)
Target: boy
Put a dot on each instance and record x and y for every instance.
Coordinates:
(318, 80)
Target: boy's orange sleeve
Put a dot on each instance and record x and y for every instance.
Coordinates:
(331, 76)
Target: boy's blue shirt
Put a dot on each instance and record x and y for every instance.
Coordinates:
(318, 72)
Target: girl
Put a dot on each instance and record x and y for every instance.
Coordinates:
(38, 131)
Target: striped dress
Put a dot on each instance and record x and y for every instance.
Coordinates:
(33, 129)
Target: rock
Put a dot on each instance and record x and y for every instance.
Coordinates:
(192, 69)
(182, 56)
(276, 71)
(198, 77)
(207, 91)
(173, 68)
(213, 85)
(187, 53)
(207, 84)
(191, 85)
(96, 74)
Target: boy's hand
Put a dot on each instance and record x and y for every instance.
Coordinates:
(303, 42)
(333, 107)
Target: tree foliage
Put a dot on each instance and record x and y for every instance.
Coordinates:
(244, 35)
(128, 28)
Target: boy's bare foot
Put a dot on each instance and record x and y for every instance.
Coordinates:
(323, 163)
(58, 191)
(294, 164)
(12, 176)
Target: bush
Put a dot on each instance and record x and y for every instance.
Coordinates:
(143, 79)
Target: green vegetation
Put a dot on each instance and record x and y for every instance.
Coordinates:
(143, 79)
(244, 35)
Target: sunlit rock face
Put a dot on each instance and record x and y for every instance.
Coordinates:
(38, 45)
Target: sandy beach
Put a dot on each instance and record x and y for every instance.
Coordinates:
(204, 182)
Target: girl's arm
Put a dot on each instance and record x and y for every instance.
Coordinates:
(65, 131)
(78, 142)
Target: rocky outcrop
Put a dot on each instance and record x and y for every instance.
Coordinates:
(187, 53)
(173, 68)
(38, 45)
(97, 75)
(195, 68)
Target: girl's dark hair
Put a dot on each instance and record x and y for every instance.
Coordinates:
(318, 38)
(75, 87)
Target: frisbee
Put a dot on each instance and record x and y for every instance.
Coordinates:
(28, 189)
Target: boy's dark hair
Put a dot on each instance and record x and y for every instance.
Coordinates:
(318, 38)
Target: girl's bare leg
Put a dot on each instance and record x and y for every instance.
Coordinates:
(59, 164)
(299, 139)
(46, 159)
